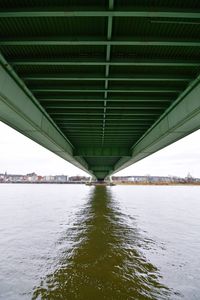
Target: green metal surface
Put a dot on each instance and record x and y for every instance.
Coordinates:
(78, 42)
(84, 13)
(102, 84)
(142, 63)
(66, 77)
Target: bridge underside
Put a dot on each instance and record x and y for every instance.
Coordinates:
(102, 84)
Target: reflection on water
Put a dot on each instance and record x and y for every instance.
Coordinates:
(105, 262)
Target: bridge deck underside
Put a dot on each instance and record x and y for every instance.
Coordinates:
(104, 71)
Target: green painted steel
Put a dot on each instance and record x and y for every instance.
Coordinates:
(63, 42)
(83, 62)
(101, 86)
(84, 13)
(18, 111)
(66, 77)
(85, 90)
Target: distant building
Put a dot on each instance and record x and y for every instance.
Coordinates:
(2, 176)
(61, 178)
(147, 179)
(78, 179)
(49, 178)
(32, 177)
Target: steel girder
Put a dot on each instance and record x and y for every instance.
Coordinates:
(24, 114)
(181, 119)
(101, 86)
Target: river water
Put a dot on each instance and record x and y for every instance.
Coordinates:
(78, 242)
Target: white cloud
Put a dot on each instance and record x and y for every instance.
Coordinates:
(177, 159)
(18, 154)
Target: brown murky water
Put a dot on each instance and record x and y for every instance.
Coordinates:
(92, 243)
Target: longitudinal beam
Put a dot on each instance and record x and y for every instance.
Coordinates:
(107, 67)
(23, 113)
(181, 119)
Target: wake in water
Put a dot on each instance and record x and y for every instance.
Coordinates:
(105, 262)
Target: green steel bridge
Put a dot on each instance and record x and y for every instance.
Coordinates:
(101, 83)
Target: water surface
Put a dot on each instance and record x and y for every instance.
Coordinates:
(79, 242)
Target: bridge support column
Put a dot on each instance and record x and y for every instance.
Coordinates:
(110, 179)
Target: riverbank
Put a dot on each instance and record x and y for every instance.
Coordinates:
(42, 182)
(158, 183)
(113, 183)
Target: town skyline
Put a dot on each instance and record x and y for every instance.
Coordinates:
(87, 175)
(36, 178)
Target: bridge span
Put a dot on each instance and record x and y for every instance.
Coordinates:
(100, 83)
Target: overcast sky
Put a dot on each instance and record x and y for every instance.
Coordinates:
(18, 154)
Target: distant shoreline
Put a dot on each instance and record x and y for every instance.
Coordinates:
(159, 183)
(116, 183)
(46, 182)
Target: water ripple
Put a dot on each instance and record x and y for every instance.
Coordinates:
(104, 259)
